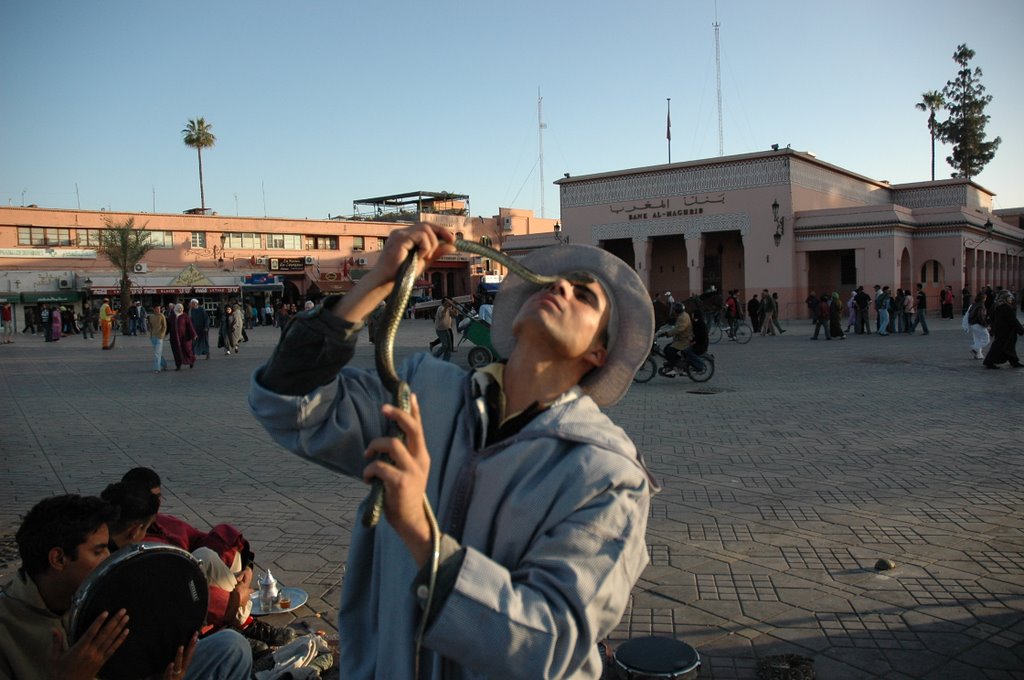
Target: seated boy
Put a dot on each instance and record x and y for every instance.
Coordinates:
(61, 541)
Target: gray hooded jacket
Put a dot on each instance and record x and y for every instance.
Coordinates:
(549, 524)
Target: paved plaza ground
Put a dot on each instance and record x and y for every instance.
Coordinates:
(786, 478)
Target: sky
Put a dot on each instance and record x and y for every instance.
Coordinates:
(317, 104)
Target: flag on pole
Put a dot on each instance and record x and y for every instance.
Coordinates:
(668, 125)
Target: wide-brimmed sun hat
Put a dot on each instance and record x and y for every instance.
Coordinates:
(630, 323)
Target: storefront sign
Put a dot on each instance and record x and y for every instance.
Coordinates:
(166, 290)
(259, 279)
(191, 276)
(67, 296)
(654, 211)
(51, 253)
(287, 264)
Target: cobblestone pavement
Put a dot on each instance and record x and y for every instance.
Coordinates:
(786, 478)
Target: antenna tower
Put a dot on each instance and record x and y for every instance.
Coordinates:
(541, 125)
(718, 80)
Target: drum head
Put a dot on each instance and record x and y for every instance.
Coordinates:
(165, 595)
(655, 657)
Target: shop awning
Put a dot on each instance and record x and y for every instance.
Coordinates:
(262, 287)
(52, 296)
(330, 282)
(13, 298)
(166, 290)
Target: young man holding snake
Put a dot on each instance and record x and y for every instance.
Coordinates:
(541, 500)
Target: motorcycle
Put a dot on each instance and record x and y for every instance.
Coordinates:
(650, 366)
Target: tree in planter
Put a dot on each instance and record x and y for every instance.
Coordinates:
(125, 245)
(931, 102)
(965, 128)
(198, 134)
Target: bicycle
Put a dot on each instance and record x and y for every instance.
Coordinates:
(650, 367)
(741, 333)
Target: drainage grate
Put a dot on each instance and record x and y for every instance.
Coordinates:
(708, 390)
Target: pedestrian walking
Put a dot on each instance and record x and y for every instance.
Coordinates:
(107, 315)
(7, 322)
(922, 311)
(1005, 329)
(201, 325)
(157, 332)
(977, 320)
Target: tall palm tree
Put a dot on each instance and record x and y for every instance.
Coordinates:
(931, 102)
(198, 134)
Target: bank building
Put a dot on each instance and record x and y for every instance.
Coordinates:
(785, 221)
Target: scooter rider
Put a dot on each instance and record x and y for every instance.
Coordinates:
(689, 339)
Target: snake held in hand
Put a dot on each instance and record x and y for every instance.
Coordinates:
(384, 354)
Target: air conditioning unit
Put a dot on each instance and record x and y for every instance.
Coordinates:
(141, 268)
(65, 283)
(361, 262)
(309, 259)
(261, 260)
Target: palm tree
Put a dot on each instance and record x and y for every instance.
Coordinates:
(199, 135)
(931, 102)
(125, 246)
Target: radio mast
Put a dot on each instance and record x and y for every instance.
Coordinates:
(540, 135)
(718, 80)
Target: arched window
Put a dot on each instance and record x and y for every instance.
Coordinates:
(931, 272)
(485, 241)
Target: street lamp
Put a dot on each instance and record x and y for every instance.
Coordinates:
(989, 231)
(562, 240)
(780, 223)
(223, 240)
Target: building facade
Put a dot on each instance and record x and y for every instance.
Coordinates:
(49, 256)
(787, 222)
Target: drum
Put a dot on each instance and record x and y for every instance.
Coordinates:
(165, 594)
(655, 658)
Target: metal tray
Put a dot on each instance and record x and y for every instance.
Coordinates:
(297, 595)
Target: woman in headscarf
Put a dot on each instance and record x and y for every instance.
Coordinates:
(56, 323)
(851, 308)
(186, 333)
(1005, 329)
(835, 317)
(172, 334)
(227, 331)
(978, 320)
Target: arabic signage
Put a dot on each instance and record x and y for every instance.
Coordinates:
(691, 205)
(48, 253)
(287, 264)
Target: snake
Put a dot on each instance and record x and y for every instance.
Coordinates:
(384, 354)
(401, 395)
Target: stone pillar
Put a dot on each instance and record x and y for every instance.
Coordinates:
(642, 246)
(695, 262)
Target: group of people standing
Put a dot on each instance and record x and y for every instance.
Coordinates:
(901, 311)
(51, 321)
(187, 333)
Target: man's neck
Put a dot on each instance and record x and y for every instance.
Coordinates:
(56, 596)
(529, 380)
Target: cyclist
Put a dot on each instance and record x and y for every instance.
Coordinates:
(690, 339)
(733, 313)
